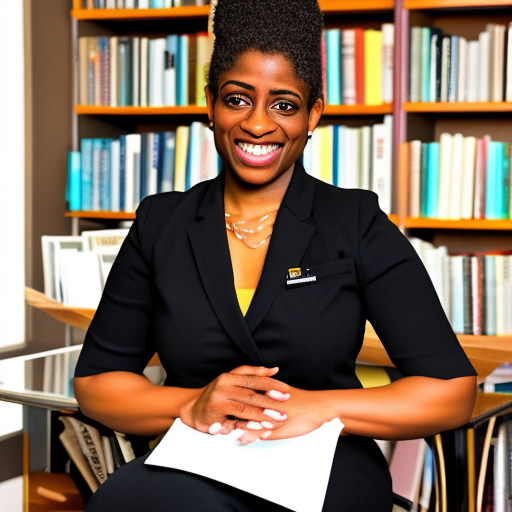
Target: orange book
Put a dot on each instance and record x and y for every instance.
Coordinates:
(359, 58)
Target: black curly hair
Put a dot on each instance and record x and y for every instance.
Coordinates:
(292, 28)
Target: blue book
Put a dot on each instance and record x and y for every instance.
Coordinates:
(490, 185)
(335, 153)
(193, 156)
(333, 47)
(499, 199)
(490, 296)
(74, 185)
(157, 4)
(182, 72)
(457, 272)
(158, 162)
(453, 84)
(105, 171)
(145, 156)
(124, 78)
(433, 180)
(425, 64)
(506, 181)
(97, 147)
(424, 180)
(122, 171)
(86, 152)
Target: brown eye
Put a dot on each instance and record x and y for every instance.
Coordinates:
(236, 101)
(284, 106)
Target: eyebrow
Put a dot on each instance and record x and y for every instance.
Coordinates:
(273, 92)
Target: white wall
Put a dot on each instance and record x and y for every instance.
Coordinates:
(12, 171)
(11, 491)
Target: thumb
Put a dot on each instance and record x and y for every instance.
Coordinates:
(260, 371)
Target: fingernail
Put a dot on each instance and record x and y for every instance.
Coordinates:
(274, 414)
(266, 434)
(254, 425)
(266, 424)
(278, 395)
(215, 428)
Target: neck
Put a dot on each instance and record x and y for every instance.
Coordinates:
(248, 201)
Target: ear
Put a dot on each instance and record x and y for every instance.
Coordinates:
(210, 103)
(315, 114)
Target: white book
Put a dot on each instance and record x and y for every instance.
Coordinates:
(136, 71)
(455, 205)
(342, 172)
(111, 4)
(349, 154)
(472, 71)
(182, 136)
(133, 147)
(445, 68)
(414, 178)
(468, 177)
(120, 4)
(195, 153)
(500, 294)
(445, 163)
(113, 70)
(388, 42)
(167, 4)
(57, 384)
(170, 83)
(490, 30)
(129, 4)
(307, 156)
(498, 54)
(348, 40)
(484, 41)
(415, 65)
(463, 50)
(156, 72)
(457, 272)
(382, 169)
(104, 241)
(143, 4)
(115, 176)
(143, 81)
(508, 64)
(316, 151)
(433, 68)
(354, 168)
(507, 293)
(211, 158)
(366, 162)
(81, 279)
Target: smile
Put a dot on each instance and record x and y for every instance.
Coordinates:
(257, 154)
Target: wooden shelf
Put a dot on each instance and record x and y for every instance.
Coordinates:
(479, 224)
(101, 215)
(358, 110)
(394, 218)
(140, 111)
(340, 6)
(140, 14)
(472, 107)
(450, 4)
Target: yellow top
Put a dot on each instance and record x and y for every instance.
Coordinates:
(244, 296)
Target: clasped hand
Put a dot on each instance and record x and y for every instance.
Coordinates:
(250, 399)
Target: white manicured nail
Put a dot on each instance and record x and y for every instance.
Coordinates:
(266, 434)
(215, 428)
(254, 425)
(267, 424)
(274, 414)
(278, 395)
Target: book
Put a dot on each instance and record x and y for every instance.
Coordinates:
(348, 37)
(373, 67)
(333, 48)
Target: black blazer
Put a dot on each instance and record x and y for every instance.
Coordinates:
(171, 290)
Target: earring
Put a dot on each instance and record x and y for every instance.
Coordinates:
(211, 126)
(310, 134)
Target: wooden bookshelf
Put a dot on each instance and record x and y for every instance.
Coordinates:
(140, 111)
(141, 14)
(476, 224)
(341, 6)
(101, 215)
(458, 107)
(450, 4)
(358, 110)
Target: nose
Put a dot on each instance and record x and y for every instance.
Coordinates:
(258, 123)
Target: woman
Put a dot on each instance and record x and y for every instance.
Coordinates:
(288, 366)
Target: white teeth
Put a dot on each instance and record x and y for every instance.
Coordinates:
(257, 150)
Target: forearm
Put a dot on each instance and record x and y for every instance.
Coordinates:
(130, 403)
(409, 408)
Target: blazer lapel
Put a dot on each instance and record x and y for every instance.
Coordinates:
(211, 251)
(290, 239)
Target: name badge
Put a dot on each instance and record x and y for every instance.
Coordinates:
(297, 277)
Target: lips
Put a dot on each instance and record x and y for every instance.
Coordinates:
(257, 154)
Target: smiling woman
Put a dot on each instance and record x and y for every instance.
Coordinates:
(206, 279)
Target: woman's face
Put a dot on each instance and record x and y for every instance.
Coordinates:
(261, 118)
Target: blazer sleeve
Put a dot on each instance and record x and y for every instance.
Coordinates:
(401, 302)
(120, 337)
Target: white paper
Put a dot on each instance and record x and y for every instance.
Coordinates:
(293, 472)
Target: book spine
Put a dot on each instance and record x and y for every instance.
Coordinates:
(373, 67)
(105, 175)
(333, 42)
(425, 64)
(359, 66)
(349, 66)
(445, 67)
(74, 180)
(468, 295)
(182, 79)
(453, 83)
(462, 85)
(424, 179)
(388, 48)
(415, 65)
(433, 180)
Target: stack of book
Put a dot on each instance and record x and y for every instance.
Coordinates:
(475, 289)
(359, 66)
(354, 158)
(139, 4)
(76, 267)
(460, 178)
(115, 175)
(451, 68)
(142, 72)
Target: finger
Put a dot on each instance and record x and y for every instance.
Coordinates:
(257, 383)
(251, 397)
(248, 437)
(277, 395)
(256, 425)
(228, 426)
(215, 428)
(260, 371)
(249, 412)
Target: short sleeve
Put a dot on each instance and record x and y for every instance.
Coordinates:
(401, 302)
(120, 337)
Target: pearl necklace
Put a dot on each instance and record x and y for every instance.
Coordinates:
(251, 231)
